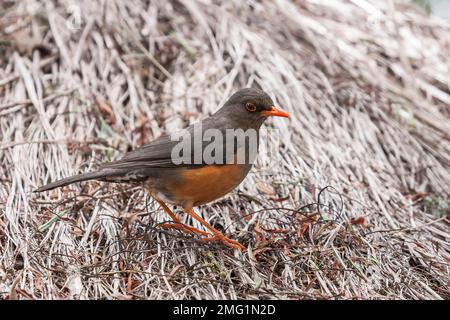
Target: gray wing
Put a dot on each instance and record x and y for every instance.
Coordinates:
(156, 154)
(134, 166)
(160, 153)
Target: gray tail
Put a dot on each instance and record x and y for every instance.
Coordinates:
(77, 178)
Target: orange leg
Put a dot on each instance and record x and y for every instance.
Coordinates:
(217, 235)
(177, 223)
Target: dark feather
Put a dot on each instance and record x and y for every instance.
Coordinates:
(97, 175)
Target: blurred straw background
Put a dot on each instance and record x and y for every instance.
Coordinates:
(356, 207)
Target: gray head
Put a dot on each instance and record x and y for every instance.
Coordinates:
(248, 108)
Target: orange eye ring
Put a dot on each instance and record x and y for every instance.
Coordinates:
(250, 107)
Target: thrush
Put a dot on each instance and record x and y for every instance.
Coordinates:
(198, 173)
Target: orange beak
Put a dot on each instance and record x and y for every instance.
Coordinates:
(275, 112)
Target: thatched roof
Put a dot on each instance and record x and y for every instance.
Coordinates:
(368, 87)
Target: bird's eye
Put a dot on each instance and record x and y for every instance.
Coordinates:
(250, 107)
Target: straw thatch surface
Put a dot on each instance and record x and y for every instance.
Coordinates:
(368, 87)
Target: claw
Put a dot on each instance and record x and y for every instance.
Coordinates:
(183, 227)
(226, 241)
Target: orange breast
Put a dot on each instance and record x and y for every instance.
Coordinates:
(202, 185)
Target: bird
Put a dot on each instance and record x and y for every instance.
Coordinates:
(187, 178)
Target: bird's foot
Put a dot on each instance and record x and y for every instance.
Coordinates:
(182, 227)
(225, 240)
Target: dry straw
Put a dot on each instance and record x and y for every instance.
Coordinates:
(367, 84)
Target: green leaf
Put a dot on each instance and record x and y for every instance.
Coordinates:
(53, 219)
